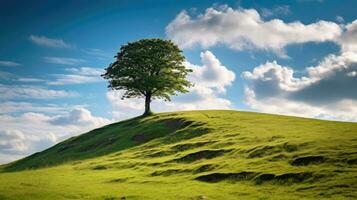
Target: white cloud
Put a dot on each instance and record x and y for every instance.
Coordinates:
(32, 92)
(65, 79)
(6, 75)
(48, 42)
(75, 76)
(242, 29)
(12, 107)
(12, 141)
(275, 77)
(340, 19)
(90, 71)
(78, 76)
(210, 79)
(352, 74)
(63, 60)
(21, 135)
(276, 10)
(5, 158)
(326, 92)
(78, 116)
(348, 39)
(99, 54)
(14, 77)
(342, 110)
(32, 80)
(9, 63)
(304, 1)
(212, 73)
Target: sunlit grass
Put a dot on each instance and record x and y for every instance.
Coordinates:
(195, 155)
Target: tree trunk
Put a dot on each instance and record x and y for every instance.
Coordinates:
(147, 104)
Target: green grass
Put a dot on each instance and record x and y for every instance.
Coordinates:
(194, 155)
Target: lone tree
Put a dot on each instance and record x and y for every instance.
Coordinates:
(150, 68)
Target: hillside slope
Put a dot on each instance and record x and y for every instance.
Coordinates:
(194, 155)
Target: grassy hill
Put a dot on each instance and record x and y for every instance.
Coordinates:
(194, 155)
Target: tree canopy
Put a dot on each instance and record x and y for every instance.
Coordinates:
(149, 68)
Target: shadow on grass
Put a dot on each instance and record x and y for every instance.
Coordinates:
(108, 139)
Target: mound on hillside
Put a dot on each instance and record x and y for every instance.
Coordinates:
(194, 155)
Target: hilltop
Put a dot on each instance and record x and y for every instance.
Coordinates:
(194, 155)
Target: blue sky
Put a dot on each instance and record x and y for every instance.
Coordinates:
(293, 57)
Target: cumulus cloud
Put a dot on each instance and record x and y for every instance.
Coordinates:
(9, 63)
(48, 42)
(12, 141)
(63, 60)
(24, 134)
(326, 92)
(348, 39)
(242, 29)
(32, 92)
(212, 73)
(79, 116)
(210, 81)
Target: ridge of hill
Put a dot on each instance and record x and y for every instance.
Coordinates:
(194, 155)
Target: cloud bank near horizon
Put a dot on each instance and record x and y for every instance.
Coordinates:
(327, 91)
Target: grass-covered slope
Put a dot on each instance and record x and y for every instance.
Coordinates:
(194, 155)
